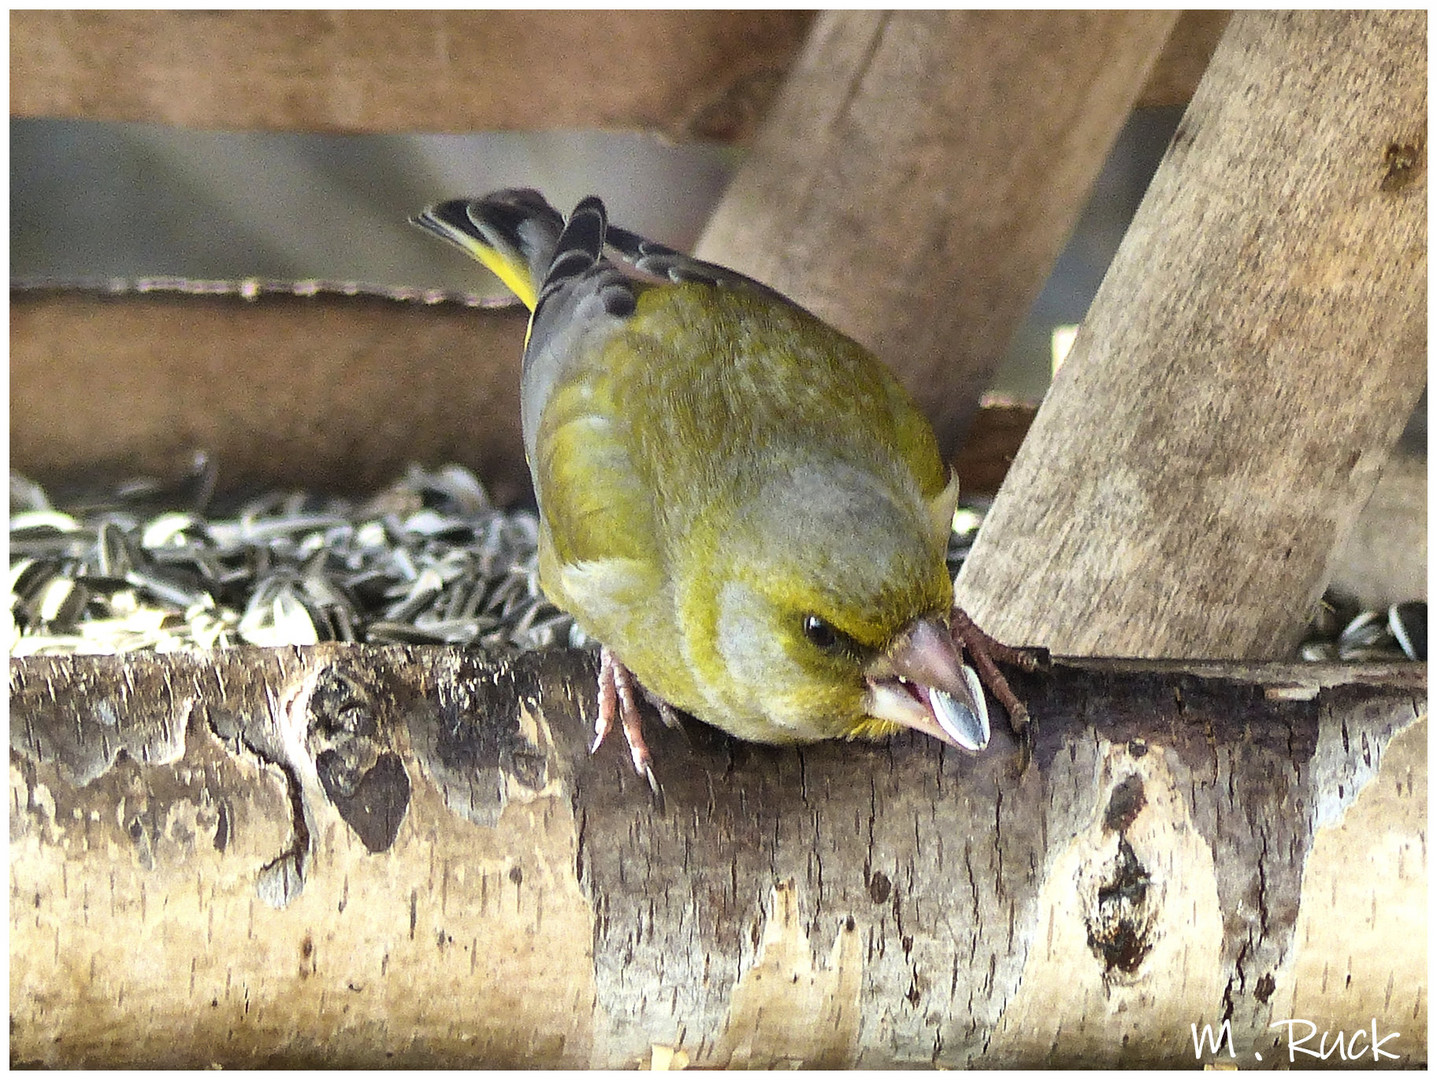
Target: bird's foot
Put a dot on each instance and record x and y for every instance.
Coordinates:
(617, 700)
(983, 649)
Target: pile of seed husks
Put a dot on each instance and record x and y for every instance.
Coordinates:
(1343, 632)
(429, 560)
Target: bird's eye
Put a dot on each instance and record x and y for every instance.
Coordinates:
(820, 634)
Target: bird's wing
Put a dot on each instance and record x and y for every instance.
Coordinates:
(512, 232)
(603, 556)
(597, 514)
(590, 487)
(651, 258)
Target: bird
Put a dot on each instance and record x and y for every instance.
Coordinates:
(742, 505)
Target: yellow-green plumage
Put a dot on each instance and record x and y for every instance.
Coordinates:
(669, 457)
(713, 467)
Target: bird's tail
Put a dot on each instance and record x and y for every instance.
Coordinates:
(514, 232)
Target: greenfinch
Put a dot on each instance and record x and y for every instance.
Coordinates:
(742, 505)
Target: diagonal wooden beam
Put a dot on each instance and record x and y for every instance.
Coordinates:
(1251, 357)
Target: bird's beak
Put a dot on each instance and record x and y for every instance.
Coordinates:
(922, 683)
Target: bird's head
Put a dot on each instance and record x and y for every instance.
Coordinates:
(827, 602)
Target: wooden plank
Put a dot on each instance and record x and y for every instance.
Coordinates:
(997, 432)
(1383, 560)
(691, 74)
(1251, 357)
(920, 173)
(351, 856)
(328, 392)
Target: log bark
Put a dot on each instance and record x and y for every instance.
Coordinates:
(920, 172)
(351, 856)
(1251, 357)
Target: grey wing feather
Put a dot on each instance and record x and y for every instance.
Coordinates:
(583, 298)
(652, 258)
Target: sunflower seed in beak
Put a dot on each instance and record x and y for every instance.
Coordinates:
(968, 729)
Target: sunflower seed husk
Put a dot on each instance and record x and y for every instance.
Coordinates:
(1408, 623)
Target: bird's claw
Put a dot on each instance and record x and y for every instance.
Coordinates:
(655, 787)
(617, 700)
(983, 649)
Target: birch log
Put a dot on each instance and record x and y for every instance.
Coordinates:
(920, 172)
(1251, 357)
(355, 856)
